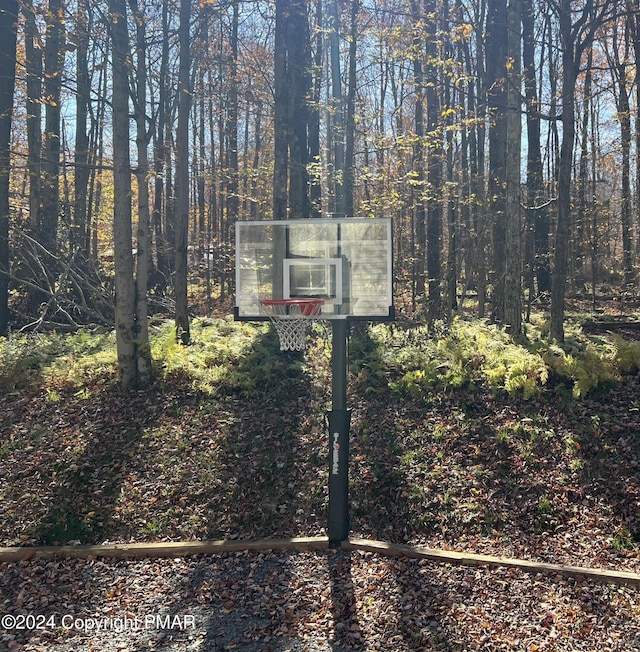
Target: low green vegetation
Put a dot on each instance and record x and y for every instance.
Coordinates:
(468, 353)
(70, 358)
(410, 361)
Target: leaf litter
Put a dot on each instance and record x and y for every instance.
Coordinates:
(546, 479)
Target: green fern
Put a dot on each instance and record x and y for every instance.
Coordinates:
(628, 355)
(584, 366)
(217, 347)
(14, 364)
(463, 353)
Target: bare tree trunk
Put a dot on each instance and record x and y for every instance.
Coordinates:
(200, 222)
(476, 109)
(143, 259)
(451, 203)
(159, 158)
(257, 154)
(33, 66)
(231, 126)
(8, 27)
(53, 65)
(619, 57)
(122, 214)
(81, 173)
(418, 187)
(299, 64)
(214, 228)
(315, 189)
(182, 176)
(633, 7)
(513, 230)
(593, 213)
(537, 213)
(281, 104)
(337, 137)
(497, 102)
(201, 184)
(576, 36)
(584, 207)
(561, 245)
(434, 170)
(97, 142)
(350, 137)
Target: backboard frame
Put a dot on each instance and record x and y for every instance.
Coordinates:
(278, 254)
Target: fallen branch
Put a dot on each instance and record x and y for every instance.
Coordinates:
(600, 326)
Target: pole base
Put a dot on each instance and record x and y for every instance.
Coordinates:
(339, 423)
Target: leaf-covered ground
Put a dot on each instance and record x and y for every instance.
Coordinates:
(549, 479)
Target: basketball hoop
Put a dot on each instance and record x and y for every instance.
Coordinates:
(292, 319)
(346, 261)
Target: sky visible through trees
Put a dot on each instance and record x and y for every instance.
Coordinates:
(418, 110)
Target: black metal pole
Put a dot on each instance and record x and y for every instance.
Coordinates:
(339, 421)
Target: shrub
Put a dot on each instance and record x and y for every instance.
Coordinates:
(216, 351)
(583, 364)
(463, 353)
(466, 352)
(14, 364)
(628, 355)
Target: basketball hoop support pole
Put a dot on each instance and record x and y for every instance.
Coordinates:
(339, 421)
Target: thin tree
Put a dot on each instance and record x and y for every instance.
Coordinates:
(434, 168)
(350, 136)
(182, 175)
(299, 65)
(512, 311)
(584, 202)
(132, 350)
(419, 177)
(620, 62)
(81, 154)
(336, 130)
(633, 12)
(8, 30)
(315, 190)
(33, 69)
(497, 54)
(160, 154)
(281, 110)
(53, 68)
(537, 212)
(97, 148)
(577, 31)
(231, 126)
(143, 239)
(451, 205)
(477, 113)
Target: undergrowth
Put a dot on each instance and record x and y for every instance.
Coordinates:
(216, 350)
(52, 357)
(467, 353)
(225, 355)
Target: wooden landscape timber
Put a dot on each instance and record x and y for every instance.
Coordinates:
(473, 559)
(302, 544)
(161, 549)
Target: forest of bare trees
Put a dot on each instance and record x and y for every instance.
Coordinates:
(502, 137)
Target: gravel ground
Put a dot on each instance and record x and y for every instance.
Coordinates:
(306, 601)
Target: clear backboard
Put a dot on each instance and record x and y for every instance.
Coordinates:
(345, 263)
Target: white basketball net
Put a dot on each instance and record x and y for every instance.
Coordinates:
(292, 323)
(292, 332)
